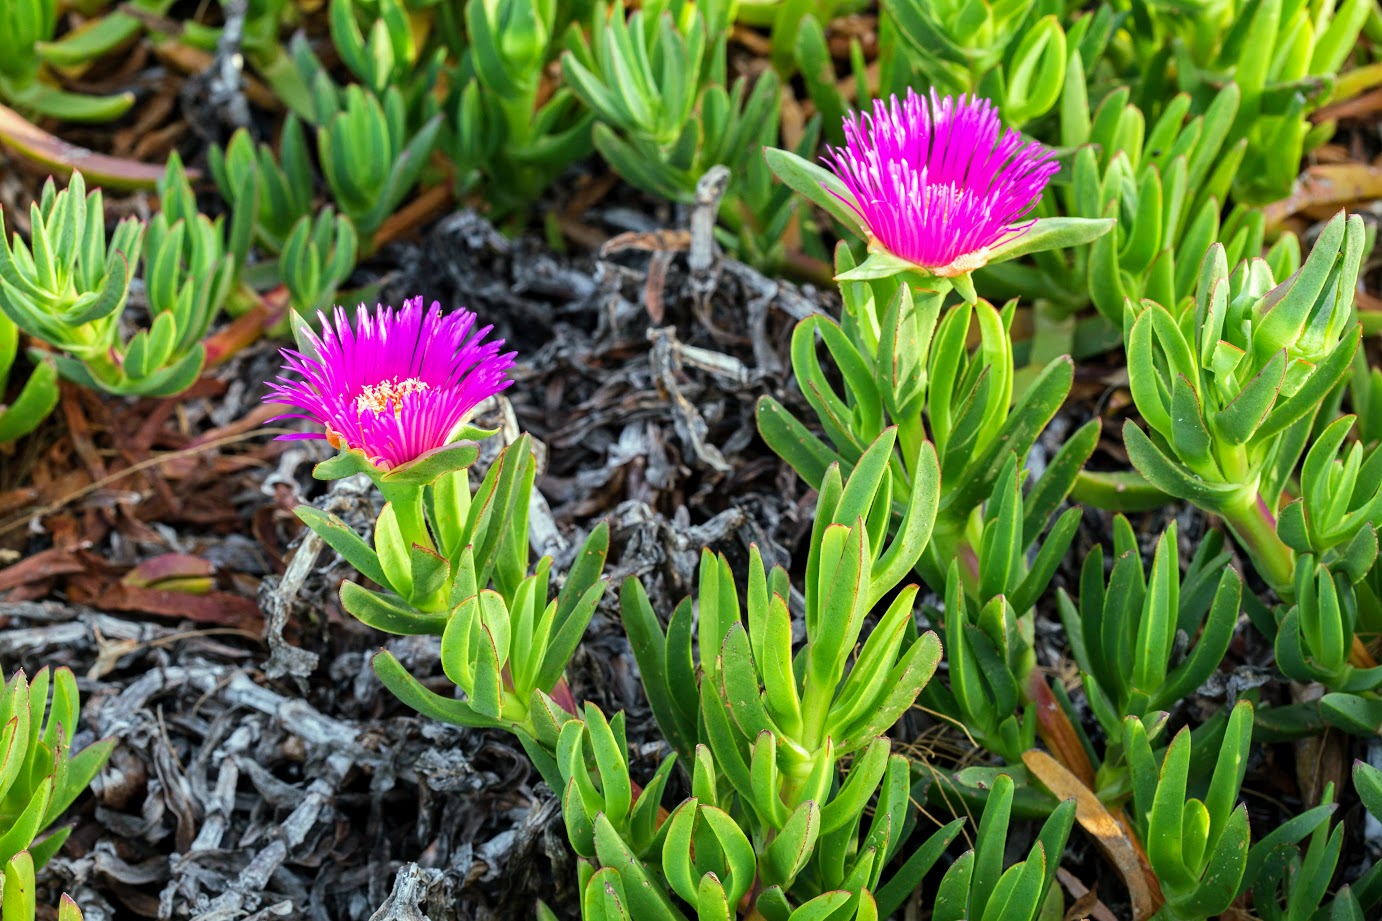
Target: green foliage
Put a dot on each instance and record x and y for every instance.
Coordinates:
(1196, 833)
(1011, 51)
(368, 155)
(27, 28)
(768, 738)
(276, 191)
(977, 888)
(430, 519)
(317, 258)
(787, 20)
(437, 549)
(901, 363)
(1340, 503)
(106, 27)
(1367, 889)
(387, 54)
(69, 287)
(990, 590)
(1198, 848)
(1291, 886)
(756, 211)
(1332, 528)
(316, 252)
(656, 85)
(17, 888)
(35, 399)
(707, 854)
(592, 759)
(1282, 55)
(505, 140)
(39, 775)
(1365, 397)
(1315, 639)
(191, 266)
(1229, 390)
(851, 550)
(812, 59)
(924, 453)
(372, 145)
(989, 654)
(1164, 188)
(1127, 634)
(506, 653)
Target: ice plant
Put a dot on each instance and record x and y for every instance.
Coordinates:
(1230, 387)
(938, 182)
(394, 393)
(396, 385)
(18, 899)
(937, 188)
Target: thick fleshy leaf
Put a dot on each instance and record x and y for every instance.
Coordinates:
(646, 898)
(435, 463)
(1237, 422)
(426, 702)
(1169, 476)
(817, 184)
(878, 264)
(1051, 233)
(809, 456)
(1352, 713)
(787, 854)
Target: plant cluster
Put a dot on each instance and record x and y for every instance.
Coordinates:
(799, 806)
(498, 100)
(513, 93)
(39, 779)
(69, 287)
(1106, 165)
(784, 749)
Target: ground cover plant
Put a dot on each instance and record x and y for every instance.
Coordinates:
(657, 460)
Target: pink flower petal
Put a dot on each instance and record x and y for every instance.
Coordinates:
(937, 181)
(396, 384)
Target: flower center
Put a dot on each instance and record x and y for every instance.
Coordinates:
(963, 263)
(379, 397)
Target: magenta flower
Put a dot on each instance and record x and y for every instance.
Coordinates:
(400, 384)
(939, 184)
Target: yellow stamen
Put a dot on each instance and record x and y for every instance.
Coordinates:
(379, 397)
